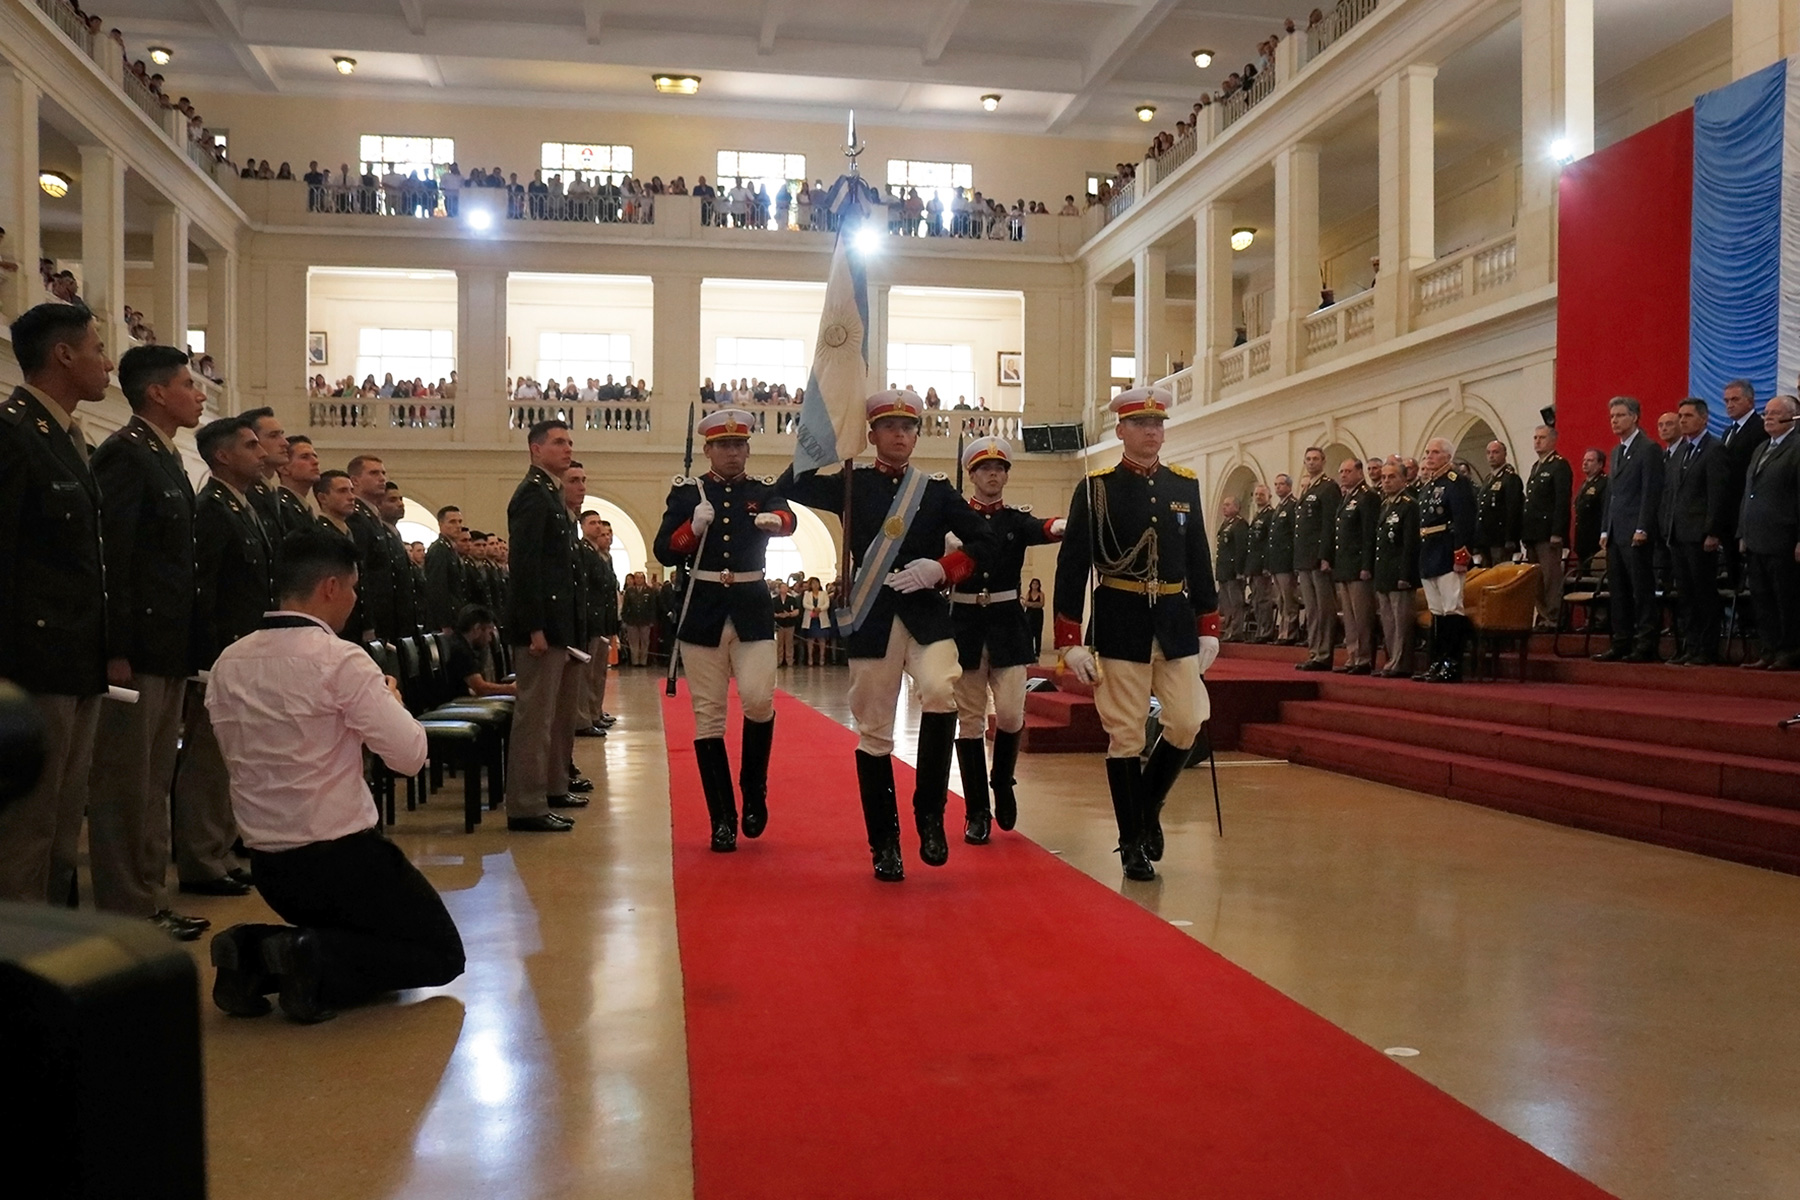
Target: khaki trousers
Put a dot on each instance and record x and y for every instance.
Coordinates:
(710, 670)
(41, 831)
(637, 640)
(784, 644)
(1287, 595)
(1231, 608)
(1398, 620)
(128, 797)
(1262, 604)
(1548, 557)
(204, 826)
(1321, 608)
(1123, 699)
(1357, 600)
(593, 683)
(875, 685)
(543, 730)
(1007, 684)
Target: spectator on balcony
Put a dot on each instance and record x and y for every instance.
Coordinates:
(913, 212)
(678, 186)
(1314, 20)
(528, 389)
(784, 202)
(705, 193)
(803, 207)
(932, 399)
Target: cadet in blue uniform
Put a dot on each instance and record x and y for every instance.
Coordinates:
(1446, 548)
(730, 625)
(993, 641)
(1155, 625)
(896, 620)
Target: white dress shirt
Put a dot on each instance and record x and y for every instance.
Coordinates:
(293, 708)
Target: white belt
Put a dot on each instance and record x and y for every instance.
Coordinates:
(983, 598)
(728, 577)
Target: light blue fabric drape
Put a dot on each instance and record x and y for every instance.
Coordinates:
(1736, 284)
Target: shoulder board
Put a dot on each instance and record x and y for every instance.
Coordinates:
(940, 476)
(12, 412)
(1102, 471)
(1024, 508)
(765, 479)
(1450, 475)
(1181, 471)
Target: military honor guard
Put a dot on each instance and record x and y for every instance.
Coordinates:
(1256, 566)
(1353, 567)
(1154, 628)
(719, 526)
(1396, 569)
(993, 641)
(1230, 563)
(1544, 522)
(895, 618)
(1315, 525)
(1446, 551)
(147, 515)
(1499, 509)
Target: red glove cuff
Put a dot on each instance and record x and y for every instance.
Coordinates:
(1068, 632)
(1054, 537)
(788, 523)
(684, 540)
(1461, 557)
(1209, 624)
(957, 566)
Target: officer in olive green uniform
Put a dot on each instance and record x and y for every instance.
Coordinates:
(1256, 566)
(1396, 570)
(1353, 567)
(1231, 564)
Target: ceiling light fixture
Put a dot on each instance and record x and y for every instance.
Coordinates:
(1242, 237)
(1145, 112)
(1203, 59)
(344, 63)
(54, 183)
(160, 55)
(991, 101)
(676, 85)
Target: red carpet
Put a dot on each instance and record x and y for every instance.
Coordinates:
(1007, 1027)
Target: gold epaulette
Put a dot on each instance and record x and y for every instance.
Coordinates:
(1102, 471)
(1181, 471)
(940, 476)
(1450, 475)
(1024, 508)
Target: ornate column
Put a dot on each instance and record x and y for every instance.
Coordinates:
(1407, 213)
(1296, 253)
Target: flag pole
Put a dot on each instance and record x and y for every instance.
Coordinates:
(846, 574)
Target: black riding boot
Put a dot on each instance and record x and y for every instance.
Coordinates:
(1453, 629)
(1431, 651)
(881, 814)
(971, 760)
(715, 781)
(1006, 757)
(1125, 779)
(753, 775)
(937, 736)
(1160, 774)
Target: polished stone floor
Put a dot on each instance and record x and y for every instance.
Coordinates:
(1629, 1010)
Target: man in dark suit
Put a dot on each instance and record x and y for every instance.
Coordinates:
(1740, 441)
(1694, 525)
(1544, 523)
(446, 574)
(147, 519)
(52, 609)
(543, 622)
(1769, 537)
(234, 570)
(1628, 527)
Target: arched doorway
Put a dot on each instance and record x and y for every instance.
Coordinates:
(1335, 454)
(630, 552)
(1472, 449)
(811, 550)
(1239, 485)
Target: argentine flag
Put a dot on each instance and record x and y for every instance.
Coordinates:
(831, 419)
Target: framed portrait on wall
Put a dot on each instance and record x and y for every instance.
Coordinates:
(1011, 372)
(316, 352)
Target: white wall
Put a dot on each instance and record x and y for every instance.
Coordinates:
(989, 322)
(760, 309)
(536, 304)
(341, 302)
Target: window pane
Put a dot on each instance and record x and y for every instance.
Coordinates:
(584, 356)
(1124, 366)
(771, 360)
(422, 354)
(924, 366)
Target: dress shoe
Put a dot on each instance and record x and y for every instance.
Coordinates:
(1615, 654)
(240, 982)
(295, 956)
(607, 721)
(1642, 656)
(548, 823)
(888, 867)
(590, 731)
(1343, 670)
(1314, 664)
(934, 849)
(181, 928)
(724, 837)
(977, 829)
(1136, 865)
(1360, 669)
(568, 801)
(1757, 664)
(581, 785)
(1676, 660)
(242, 875)
(224, 885)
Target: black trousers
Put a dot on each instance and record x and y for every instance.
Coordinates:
(1697, 580)
(1635, 613)
(380, 924)
(1775, 590)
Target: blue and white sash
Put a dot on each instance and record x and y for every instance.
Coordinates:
(878, 560)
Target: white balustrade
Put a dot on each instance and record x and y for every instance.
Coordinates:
(1344, 322)
(1339, 21)
(1475, 271)
(1258, 356)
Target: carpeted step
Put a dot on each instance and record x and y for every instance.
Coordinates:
(1660, 677)
(1696, 772)
(1750, 833)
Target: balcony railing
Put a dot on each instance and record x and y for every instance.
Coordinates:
(1240, 364)
(140, 94)
(1337, 23)
(1475, 271)
(1239, 103)
(1343, 323)
(608, 416)
(420, 413)
(71, 25)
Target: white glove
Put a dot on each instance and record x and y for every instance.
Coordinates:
(769, 521)
(1081, 664)
(703, 516)
(1209, 650)
(1059, 526)
(919, 575)
(952, 543)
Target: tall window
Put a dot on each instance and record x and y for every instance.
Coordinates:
(772, 360)
(584, 356)
(923, 365)
(426, 354)
(384, 152)
(761, 168)
(588, 160)
(928, 177)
